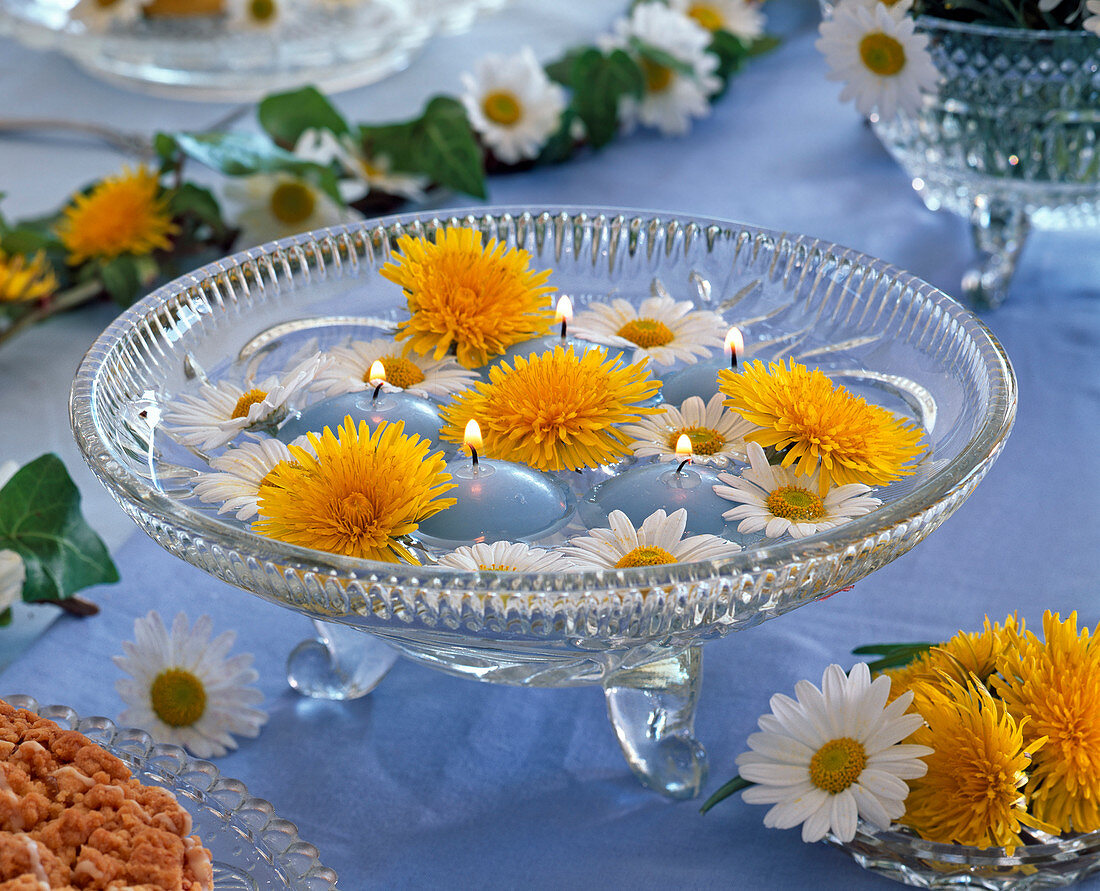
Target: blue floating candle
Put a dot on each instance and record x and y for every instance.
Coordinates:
(498, 500)
(639, 491)
(701, 379)
(421, 417)
(538, 345)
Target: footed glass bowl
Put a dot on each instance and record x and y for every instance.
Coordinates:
(638, 632)
(1010, 139)
(1047, 862)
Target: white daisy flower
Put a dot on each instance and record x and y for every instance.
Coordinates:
(661, 329)
(1092, 23)
(884, 64)
(240, 473)
(657, 541)
(897, 9)
(673, 98)
(219, 412)
(513, 105)
(259, 15)
(740, 18)
(834, 755)
(717, 434)
(12, 575)
(184, 688)
(363, 173)
(347, 370)
(275, 205)
(779, 501)
(101, 15)
(504, 556)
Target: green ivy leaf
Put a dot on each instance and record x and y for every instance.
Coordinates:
(731, 52)
(286, 116)
(561, 145)
(199, 204)
(442, 145)
(561, 70)
(599, 81)
(660, 57)
(121, 277)
(40, 520)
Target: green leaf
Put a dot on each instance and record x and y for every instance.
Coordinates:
(660, 57)
(731, 52)
(198, 203)
(764, 44)
(561, 145)
(560, 70)
(444, 147)
(121, 277)
(286, 116)
(734, 785)
(888, 649)
(599, 82)
(40, 520)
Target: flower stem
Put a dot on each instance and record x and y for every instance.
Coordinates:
(734, 785)
(60, 302)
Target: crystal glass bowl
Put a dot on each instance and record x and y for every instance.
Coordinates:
(638, 631)
(252, 848)
(1010, 140)
(900, 855)
(334, 46)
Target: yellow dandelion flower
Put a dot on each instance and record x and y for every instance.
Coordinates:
(124, 214)
(554, 411)
(966, 655)
(1057, 685)
(479, 300)
(821, 424)
(971, 794)
(358, 495)
(25, 278)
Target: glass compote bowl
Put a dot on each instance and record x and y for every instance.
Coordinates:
(637, 632)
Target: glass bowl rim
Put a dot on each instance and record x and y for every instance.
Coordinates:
(299, 859)
(858, 533)
(936, 23)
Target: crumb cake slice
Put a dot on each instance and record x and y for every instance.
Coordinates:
(72, 817)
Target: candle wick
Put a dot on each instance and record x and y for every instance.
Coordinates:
(686, 460)
(473, 455)
(733, 360)
(564, 325)
(378, 389)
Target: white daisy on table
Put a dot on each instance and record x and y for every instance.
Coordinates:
(897, 8)
(363, 173)
(717, 434)
(268, 206)
(347, 370)
(240, 472)
(834, 755)
(102, 15)
(673, 97)
(885, 65)
(504, 556)
(1092, 23)
(185, 689)
(512, 104)
(740, 18)
(661, 328)
(659, 540)
(219, 412)
(779, 501)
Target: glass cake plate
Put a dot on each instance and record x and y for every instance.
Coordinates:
(637, 632)
(252, 848)
(334, 46)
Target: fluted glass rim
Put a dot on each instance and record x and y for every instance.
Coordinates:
(299, 860)
(932, 23)
(856, 536)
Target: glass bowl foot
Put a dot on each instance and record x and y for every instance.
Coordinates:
(652, 709)
(999, 230)
(340, 663)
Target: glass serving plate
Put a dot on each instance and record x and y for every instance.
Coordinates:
(252, 848)
(335, 46)
(1047, 862)
(638, 631)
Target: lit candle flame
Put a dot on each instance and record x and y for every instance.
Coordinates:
(683, 450)
(735, 345)
(377, 374)
(564, 313)
(472, 436)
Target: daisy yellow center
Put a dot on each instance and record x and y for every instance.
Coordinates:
(262, 10)
(704, 440)
(646, 555)
(292, 202)
(249, 399)
(502, 107)
(646, 333)
(178, 697)
(882, 54)
(496, 567)
(837, 764)
(657, 77)
(400, 372)
(706, 15)
(795, 503)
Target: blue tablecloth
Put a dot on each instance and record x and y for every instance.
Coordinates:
(435, 781)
